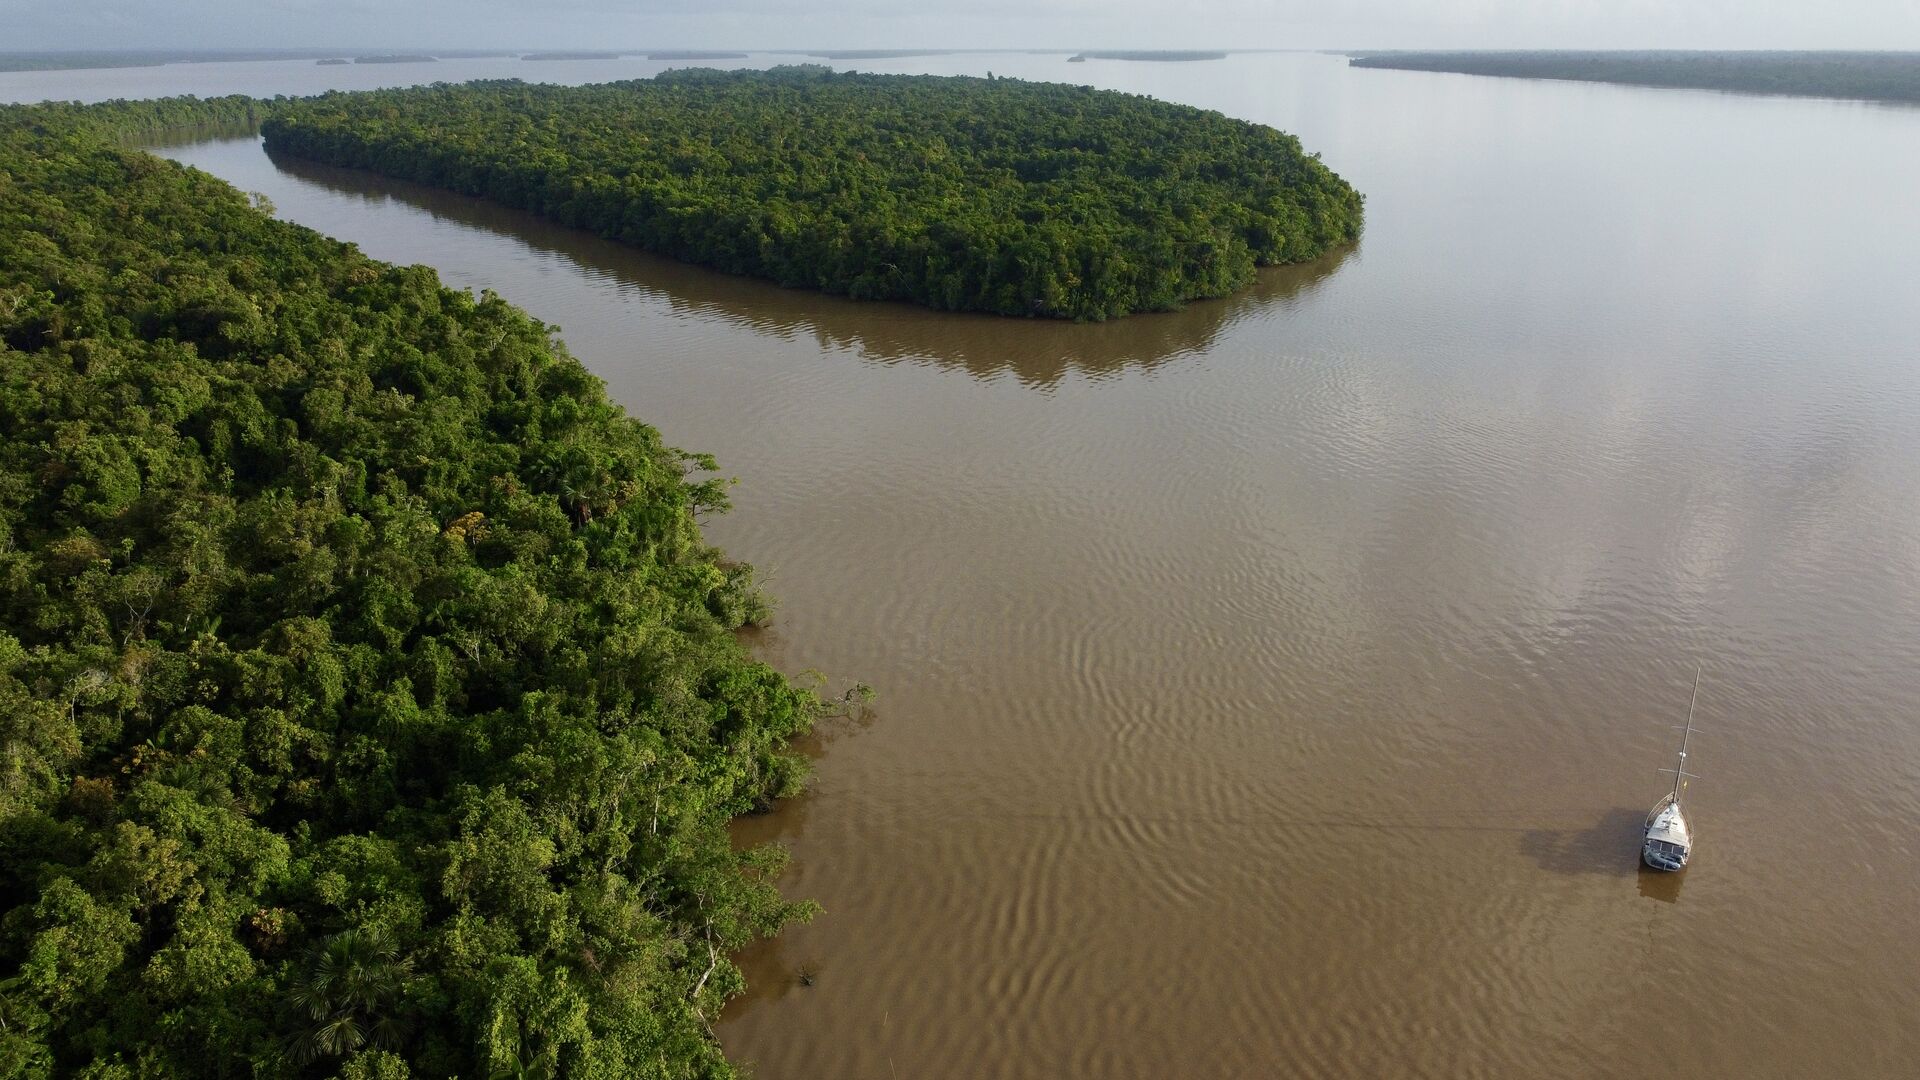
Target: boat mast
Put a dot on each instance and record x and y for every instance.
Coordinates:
(1680, 767)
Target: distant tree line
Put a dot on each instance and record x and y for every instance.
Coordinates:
(958, 193)
(1165, 55)
(369, 703)
(1884, 76)
(123, 119)
(51, 60)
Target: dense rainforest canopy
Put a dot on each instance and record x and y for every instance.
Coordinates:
(958, 193)
(369, 705)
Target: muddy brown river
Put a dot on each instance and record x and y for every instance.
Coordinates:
(1276, 688)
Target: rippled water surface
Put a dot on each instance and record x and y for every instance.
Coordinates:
(1276, 687)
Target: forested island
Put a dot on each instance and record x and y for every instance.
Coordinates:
(369, 697)
(695, 54)
(68, 59)
(1881, 76)
(572, 56)
(957, 193)
(1164, 55)
(877, 54)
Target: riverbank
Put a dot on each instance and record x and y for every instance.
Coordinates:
(1871, 76)
(346, 624)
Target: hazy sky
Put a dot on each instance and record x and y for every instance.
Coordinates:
(70, 24)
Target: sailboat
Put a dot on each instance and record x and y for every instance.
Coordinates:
(1669, 842)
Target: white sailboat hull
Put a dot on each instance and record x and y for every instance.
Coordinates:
(1668, 841)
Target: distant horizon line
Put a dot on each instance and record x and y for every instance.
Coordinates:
(481, 52)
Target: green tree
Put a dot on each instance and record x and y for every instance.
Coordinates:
(350, 987)
(369, 703)
(981, 194)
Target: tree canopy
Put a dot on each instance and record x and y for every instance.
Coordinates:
(369, 705)
(958, 193)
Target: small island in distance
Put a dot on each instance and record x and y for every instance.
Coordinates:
(876, 54)
(396, 58)
(957, 193)
(694, 54)
(1873, 76)
(573, 56)
(74, 59)
(1175, 55)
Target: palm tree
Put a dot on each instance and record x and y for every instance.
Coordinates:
(349, 985)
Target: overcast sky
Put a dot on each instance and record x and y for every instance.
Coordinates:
(765, 24)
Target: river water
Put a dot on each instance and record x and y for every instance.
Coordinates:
(1275, 688)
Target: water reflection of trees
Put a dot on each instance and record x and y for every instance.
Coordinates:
(1036, 351)
(193, 135)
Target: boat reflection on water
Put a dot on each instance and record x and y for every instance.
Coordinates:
(1661, 885)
